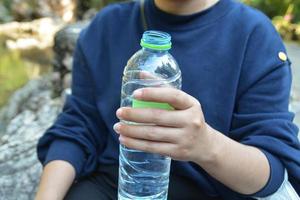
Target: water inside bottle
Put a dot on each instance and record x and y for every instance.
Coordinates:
(142, 175)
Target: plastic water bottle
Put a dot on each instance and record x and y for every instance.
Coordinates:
(143, 175)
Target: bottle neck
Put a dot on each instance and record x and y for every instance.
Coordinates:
(155, 51)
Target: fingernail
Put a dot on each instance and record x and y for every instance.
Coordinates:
(121, 138)
(119, 112)
(137, 93)
(117, 127)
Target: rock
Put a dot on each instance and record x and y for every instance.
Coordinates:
(68, 61)
(30, 97)
(22, 43)
(87, 7)
(30, 112)
(65, 42)
(64, 9)
(89, 14)
(23, 10)
(37, 34)
(83, 7)
(67, 81)
(32, 9)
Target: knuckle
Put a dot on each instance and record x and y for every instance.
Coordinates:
(144, 92)
(156, 115)
(149, 133)
(196, 122)
(127, 113)
(177, 95)
(148, 147)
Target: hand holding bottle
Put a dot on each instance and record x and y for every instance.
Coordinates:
(181, 134)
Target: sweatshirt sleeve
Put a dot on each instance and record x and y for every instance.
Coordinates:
(261, 117)
(77, 135)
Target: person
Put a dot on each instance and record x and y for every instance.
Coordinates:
(231, 135)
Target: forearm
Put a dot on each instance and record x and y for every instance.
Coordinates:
(56, 179)
(242, 168)
(183, 134)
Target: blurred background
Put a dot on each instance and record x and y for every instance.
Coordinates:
(37, 39)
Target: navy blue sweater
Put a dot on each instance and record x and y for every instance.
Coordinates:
(229, 59)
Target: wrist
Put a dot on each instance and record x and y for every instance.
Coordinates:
(47, 194)
(213, 147)
(57, 177)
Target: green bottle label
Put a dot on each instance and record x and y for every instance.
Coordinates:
(149, 104)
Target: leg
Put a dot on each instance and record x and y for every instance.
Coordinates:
(181, 188)
(92, 188)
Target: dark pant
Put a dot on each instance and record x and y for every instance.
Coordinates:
(103, 186)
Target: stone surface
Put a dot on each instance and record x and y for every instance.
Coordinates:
(83, 7)
(65, 42)
(30, 112)
(25, 10)
(37, 34)
(64, 9)
(29, 97)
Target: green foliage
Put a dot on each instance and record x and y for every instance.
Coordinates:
(284, 13)
(289, 31)
(16, 69)
(12, 74)
(277, 7)
(6, 3)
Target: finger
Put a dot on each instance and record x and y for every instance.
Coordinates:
(160, 117)
(176, 98)
(148, 76)
(153, 133)
(161, 148)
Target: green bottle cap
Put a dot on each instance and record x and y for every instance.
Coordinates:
(149, 104)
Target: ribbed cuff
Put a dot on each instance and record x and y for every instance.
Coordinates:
(66, 151)
(276, 176)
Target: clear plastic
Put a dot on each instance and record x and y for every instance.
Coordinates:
(142, 175)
